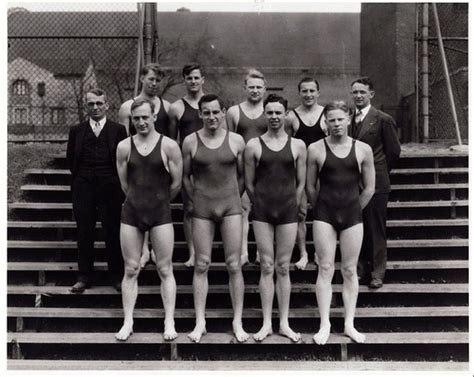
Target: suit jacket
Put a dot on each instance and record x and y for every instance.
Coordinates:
(379, 131)
(115, 134)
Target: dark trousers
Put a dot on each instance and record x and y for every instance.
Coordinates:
(373, 256)
(98, 198)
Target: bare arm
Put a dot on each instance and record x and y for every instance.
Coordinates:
(291, 124)
(240, 147)
(232, 118)
(312, 174)
(250, 158)
(187, 166)
(300, 148)
(175, 166)
(174, 118)
(123, 153)
(124, 115)
(368, 174)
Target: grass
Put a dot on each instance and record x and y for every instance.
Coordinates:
(25, 156)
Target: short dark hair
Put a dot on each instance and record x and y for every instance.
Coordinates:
(364, 80)
(155, 67)
(188, 68)
(140, 102)
(97, 92)
(308, 79)
(209, 98)
(276, 98)
(336, 105)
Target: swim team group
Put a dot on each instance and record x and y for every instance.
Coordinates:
(257, 159)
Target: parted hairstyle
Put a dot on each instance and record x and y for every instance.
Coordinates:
(209, 98)
(276, 98)
(155, 67)
(140, 102)
(308, 79)
(336, 105)
(188, 68)
(364, 80)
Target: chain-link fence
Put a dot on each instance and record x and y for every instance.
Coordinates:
(453, 20)
(55, 57)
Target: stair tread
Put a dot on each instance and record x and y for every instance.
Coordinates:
(228, 338)
(236, 365)
(249, 288)
(216, 266)
(390, 223)
(405, 243)
(379, 312)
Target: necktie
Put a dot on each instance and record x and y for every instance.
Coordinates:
(97, 129)
(358, 123)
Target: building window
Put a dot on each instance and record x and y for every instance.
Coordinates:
(20, 88)
(20, 115)
(57, 115)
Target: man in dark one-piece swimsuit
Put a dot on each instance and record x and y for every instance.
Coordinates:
(150, 169)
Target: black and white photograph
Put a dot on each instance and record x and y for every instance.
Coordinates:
(237, 186)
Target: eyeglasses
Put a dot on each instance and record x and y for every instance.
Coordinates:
(91, 104)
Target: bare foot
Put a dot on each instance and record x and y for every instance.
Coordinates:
(322, 335)
(263, 333)
(190, 261)
(244, 258)
(125, 331)
(145, 258)
(355, 335)
(170, 333)
(301, 264)
(289, 333)
(197, 333)
(239, 332)
(257, 258)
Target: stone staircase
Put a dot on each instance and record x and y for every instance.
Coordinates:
(417, 321)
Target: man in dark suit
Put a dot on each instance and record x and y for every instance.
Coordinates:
(377, 129)
(95, 186)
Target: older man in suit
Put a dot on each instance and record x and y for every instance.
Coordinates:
(95, 186)
(377, 129)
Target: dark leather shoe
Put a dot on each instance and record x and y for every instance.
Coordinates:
(79, 287)
(376, 283)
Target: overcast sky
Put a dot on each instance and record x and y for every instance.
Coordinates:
(216, 5)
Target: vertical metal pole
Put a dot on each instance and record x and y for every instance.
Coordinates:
(417, 74)
(139, 48)
(446, 73)
(425, 85)
(148, 32)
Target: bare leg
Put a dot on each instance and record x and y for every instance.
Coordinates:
(264, 235)
(325, 238)
(350, 243)
(285, 241)
(131, 240)
(162, 239)
(231, 228)
(188, 234)
(244, 255)
(145, 258)
(301, 236)
(203, 233)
